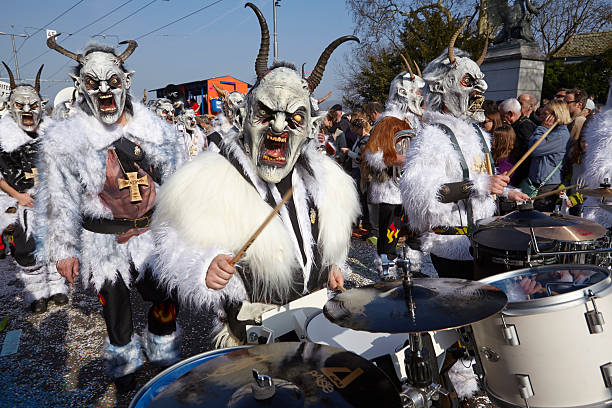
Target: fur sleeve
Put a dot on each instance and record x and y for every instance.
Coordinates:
(180, 266)
(57, 206)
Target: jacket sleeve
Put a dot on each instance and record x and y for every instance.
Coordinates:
(553, 143)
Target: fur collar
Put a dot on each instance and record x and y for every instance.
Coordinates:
(458, 125)
(12, 137)
(143, 126)
(400, 114)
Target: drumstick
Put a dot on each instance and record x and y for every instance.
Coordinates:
(554, 192)
(489, 170)
(275, 211)
(531, 149)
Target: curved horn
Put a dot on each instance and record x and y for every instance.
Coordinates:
(317, 73)
(222, 92)
(37, 82)
(418, 69)
(323, 99)
(451, 44)
(51, 43)
(303, 72)
(261, 63)
(484, 52)
(128, 51)
(407, 66)
(10, 74)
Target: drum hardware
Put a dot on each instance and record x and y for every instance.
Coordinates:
(262, 387)
(525, 388)
(509, 332)
(594, 317)
(401, 142)
(606, 372)
(539, 253)
(489, 354)
(603, 191)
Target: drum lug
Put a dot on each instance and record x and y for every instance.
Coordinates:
(594, 318)
(259, 335)
(509, 333)
(490, 354)
(606, 372)
(524, 387)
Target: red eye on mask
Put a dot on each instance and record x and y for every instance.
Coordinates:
(467, 81)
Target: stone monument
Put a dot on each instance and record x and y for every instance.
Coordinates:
(514, 63)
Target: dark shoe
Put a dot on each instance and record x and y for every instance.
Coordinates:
(59, 299)
(126, 383)
(39, 306)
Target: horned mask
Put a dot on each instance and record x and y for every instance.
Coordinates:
(456, 84)
(279, 120)
(25, 104)
(101, 79)
(405, 91)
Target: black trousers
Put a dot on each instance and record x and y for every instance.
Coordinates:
(22, 247)
(117, 308)
(389, 225)
(451, 268)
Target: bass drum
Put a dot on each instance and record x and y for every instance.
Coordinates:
(371, 346)
(157, 384)
(550, 346)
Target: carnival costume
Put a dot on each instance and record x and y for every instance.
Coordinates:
(20, 135)
(98, 186)
(402, 110)
(217, 201)
(193, 139)
(445, 183)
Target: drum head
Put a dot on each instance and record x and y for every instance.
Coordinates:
(549, 285)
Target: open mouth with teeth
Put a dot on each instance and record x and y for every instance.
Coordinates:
(274, 149)
(27, 119)
(476, 101)
(107, 103)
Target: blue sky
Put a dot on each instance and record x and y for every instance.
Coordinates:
(221, 40)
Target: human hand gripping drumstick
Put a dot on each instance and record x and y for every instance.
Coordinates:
(531, 149)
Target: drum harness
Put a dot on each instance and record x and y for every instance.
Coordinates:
(465, 183)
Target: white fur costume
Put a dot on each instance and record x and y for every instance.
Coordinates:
(598, 162)
(431, 162)
(193, 143)
(214, 210)
(40, 280)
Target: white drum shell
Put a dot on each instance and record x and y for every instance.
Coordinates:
(557, 351)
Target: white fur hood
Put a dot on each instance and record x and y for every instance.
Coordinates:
(12, 137)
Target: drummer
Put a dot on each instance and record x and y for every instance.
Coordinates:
(446, 183)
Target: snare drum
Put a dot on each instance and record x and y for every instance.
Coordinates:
(157, 384)
(373, 345)
(550, 346)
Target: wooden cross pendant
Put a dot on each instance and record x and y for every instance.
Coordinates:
(32, 175)
(133, 182)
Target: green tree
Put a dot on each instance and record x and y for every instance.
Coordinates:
(591, 75)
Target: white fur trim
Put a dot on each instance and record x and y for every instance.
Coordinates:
(162, 350)
(123, 360)
(463, 378)
(431, 162)
(386, 192)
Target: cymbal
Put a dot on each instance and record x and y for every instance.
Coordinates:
(596, 192)
(431, 304)
(304, 375)
(525, 218)
(505, 238)
(583, 230)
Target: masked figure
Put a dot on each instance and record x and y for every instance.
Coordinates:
(102, 168)
(165, 110)
(598, 162)
(193, 139)
(447, 182)
(20, 134)
(227, 197)
(233, 110)
(381, 158)
(5, 92)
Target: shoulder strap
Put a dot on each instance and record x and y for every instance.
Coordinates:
(483, 143)
(455, 143)
(130, 154)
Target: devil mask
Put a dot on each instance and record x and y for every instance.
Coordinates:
(405, 91)
(165, 110)
(101, 79)
(25, 104)
(188, 119)
(278, 117)
(456, 83)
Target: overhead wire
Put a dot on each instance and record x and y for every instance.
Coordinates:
(179, 19)
(48, 24)
(125, 18)
(79, 30)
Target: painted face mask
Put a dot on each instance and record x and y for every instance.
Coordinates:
(25, 104)
(165, 110)
(456, 83)
(102, 82)
(278, 118)
(405, 91)
(188, 119)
